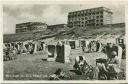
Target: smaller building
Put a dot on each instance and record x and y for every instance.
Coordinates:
(57, 27)
(30, 27)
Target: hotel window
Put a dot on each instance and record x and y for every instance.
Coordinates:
(93, 13)
(101, 20)
(97, 20)
(97, 16)
(101, 12)
(97, 12)
(85, 17)
(82, 14)
(101, 16)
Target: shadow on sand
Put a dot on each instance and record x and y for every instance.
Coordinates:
(76, 72)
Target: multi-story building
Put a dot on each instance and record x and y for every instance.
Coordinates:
(90, 17)
(30, 27)
(57, 27)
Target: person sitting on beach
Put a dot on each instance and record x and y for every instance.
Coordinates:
(111, 67)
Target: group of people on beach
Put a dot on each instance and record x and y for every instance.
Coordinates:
(106, 68)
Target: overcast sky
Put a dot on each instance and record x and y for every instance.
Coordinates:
(51, 14)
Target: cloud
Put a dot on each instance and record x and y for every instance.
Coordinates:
(50, 15)
(53, 15)
(13, 14)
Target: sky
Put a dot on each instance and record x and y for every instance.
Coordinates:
(51, 13)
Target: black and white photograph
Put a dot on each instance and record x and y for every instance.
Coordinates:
(62, 83)
(55, 42)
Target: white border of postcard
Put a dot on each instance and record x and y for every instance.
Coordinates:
(61, 2)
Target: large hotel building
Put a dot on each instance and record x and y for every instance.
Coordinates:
(90, 17)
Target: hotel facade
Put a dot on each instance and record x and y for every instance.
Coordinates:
(90, 17)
